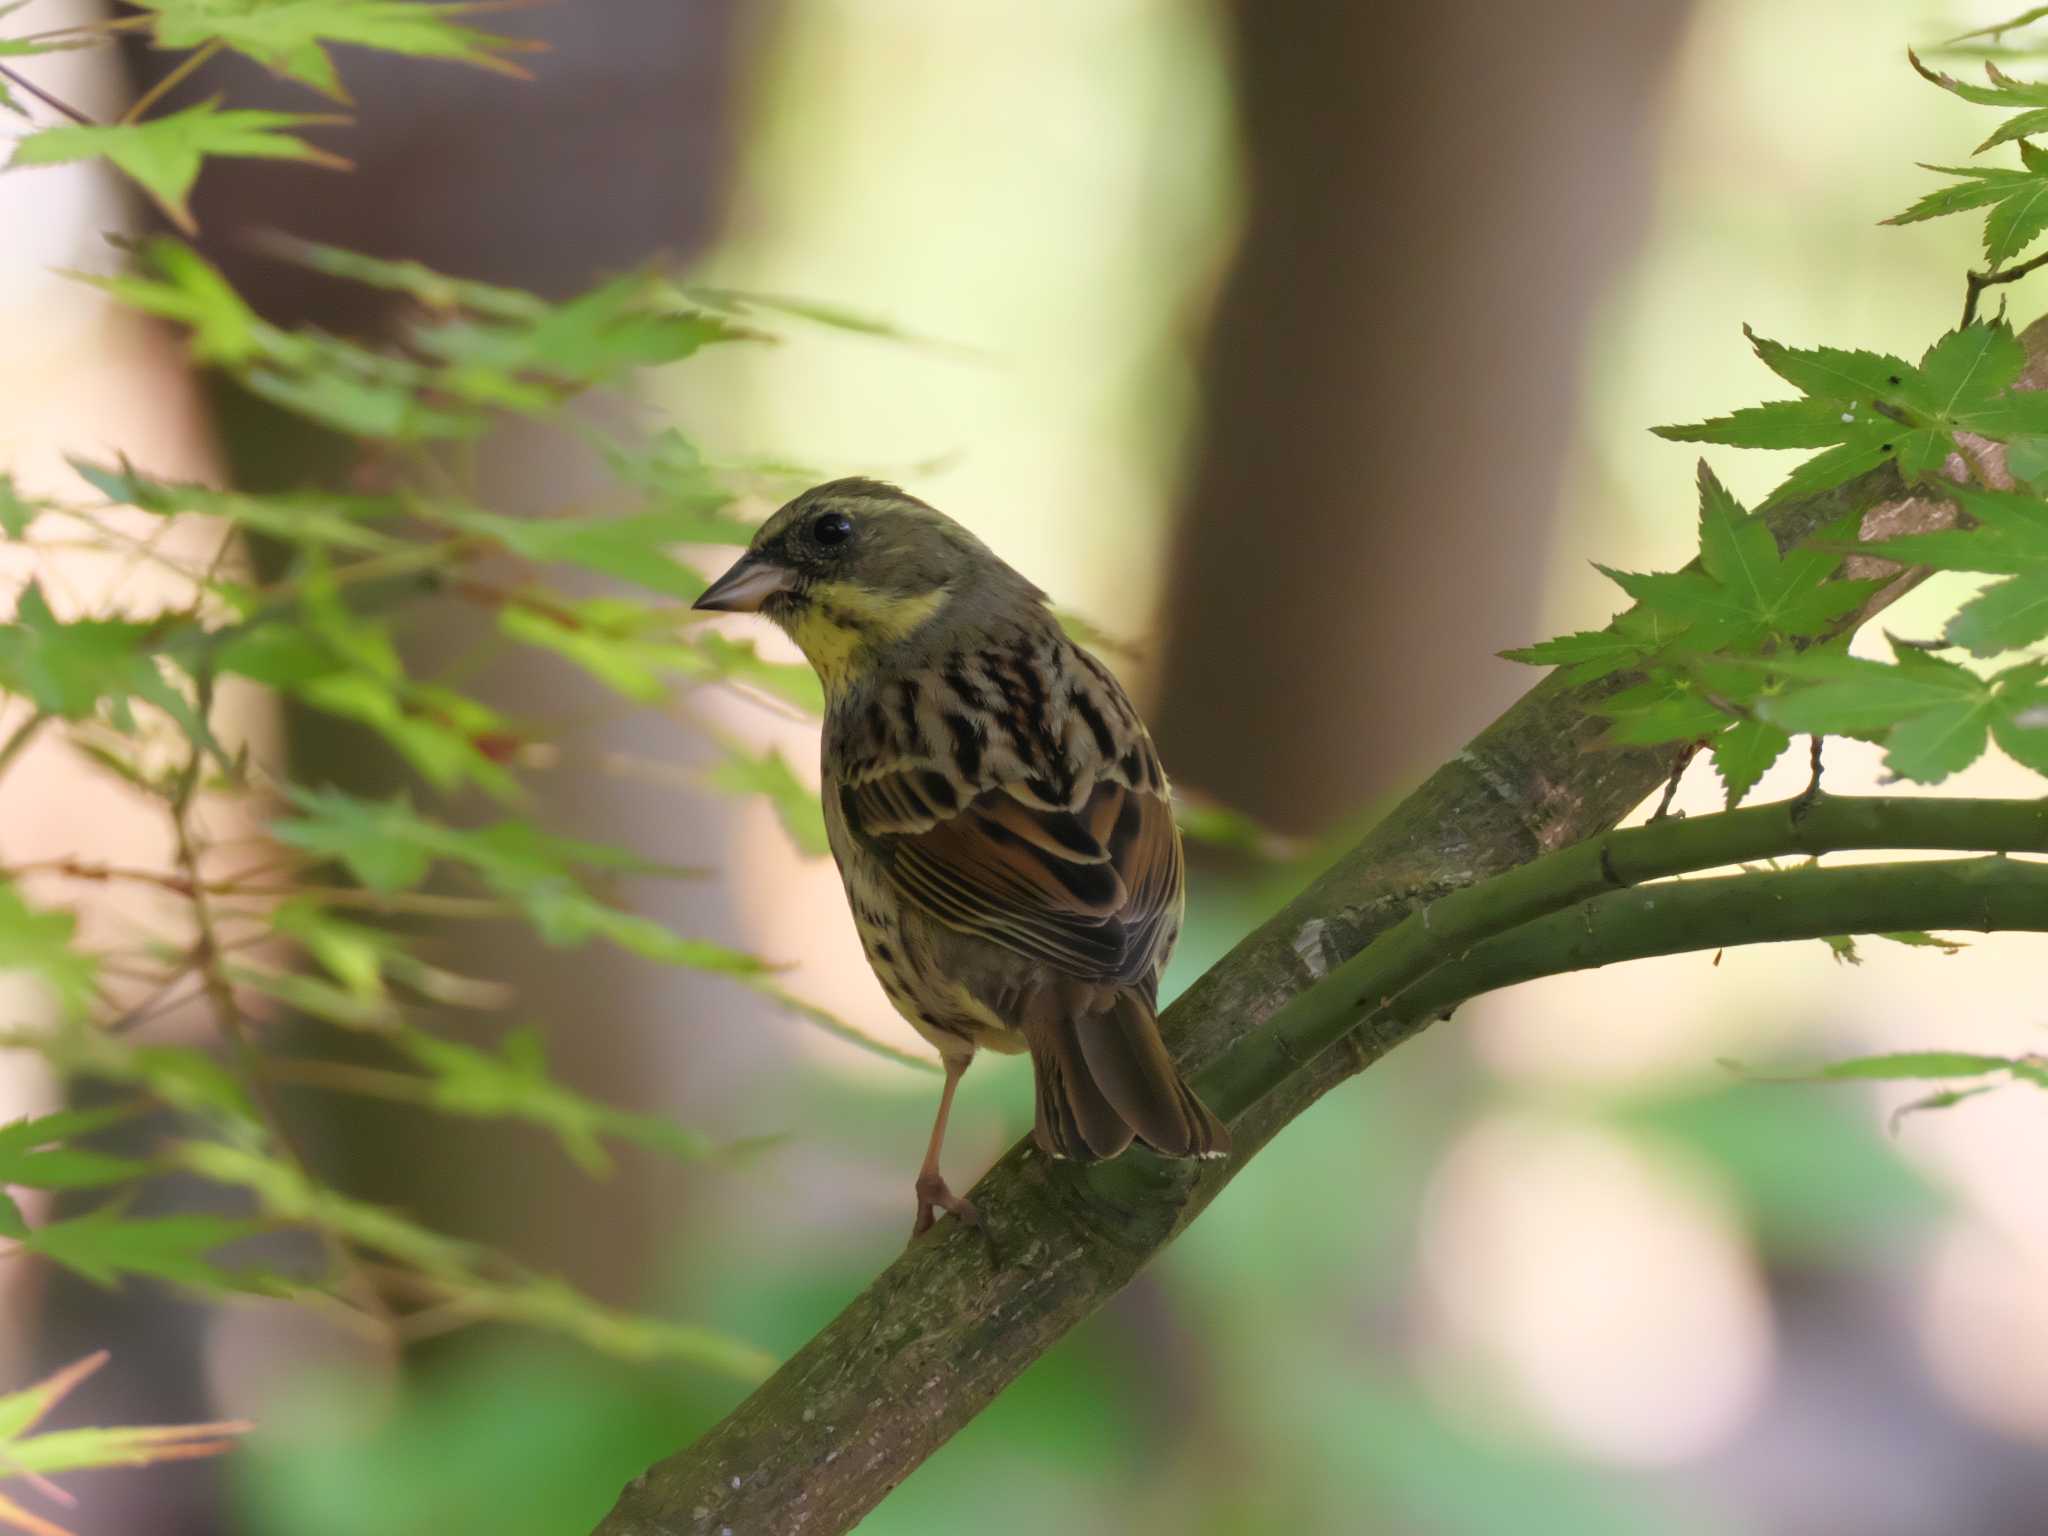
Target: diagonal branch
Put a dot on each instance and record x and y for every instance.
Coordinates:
(950, 1323)
(1424, 953)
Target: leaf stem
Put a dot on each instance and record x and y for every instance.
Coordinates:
(1979, 281)
(6, 72)
(21, 736)
(189, 65)
(219, 990)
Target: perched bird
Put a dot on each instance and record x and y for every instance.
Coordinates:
(998, 814)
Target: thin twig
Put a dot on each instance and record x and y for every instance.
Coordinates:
(1979, 281)
(46, 98)
(1811, 793)
(411, 903)
(192, 62)
(23, 734)
(120, 24)
(220, 991)
(347, 1077)
(1686, 754)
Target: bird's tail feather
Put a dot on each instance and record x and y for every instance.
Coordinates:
(1104, 1077)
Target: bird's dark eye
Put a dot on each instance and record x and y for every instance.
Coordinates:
(829, 528)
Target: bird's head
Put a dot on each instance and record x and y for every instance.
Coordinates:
(852, 567)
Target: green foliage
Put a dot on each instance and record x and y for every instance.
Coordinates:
(40, 943)
(2029, 101)
(163, 155)
(513, 1083)
(450, 373)
(134, 696)
(15, 514)
(31, 1155)
(91, 668)
(2018, 201)
(289, 36)
(1933, 716)
(39, 1457)
(741, 772)
(1695, 637)
(326, 631)
(1921, 1066)
(105, 1245)
(1869, 408)
(2010, 538)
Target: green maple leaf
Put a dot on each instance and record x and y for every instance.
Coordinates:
(1933, 716)
(174, 282)
(2018, 200)
(627, 646)
(1744, 752)
(1590, 654)
(527, 362)
(70, 1450)
(1743, 596)
(286, 1194)
(513, 1082)
(1869, 408)
(543, 1301)
(289, 36)
(737, 661)
(330, 521)
(435, 291)
(376, 840)
(481, 350)
(2010, 539)
(15, 513)
(164, 154)
(1749, 592)
(88, 667)
(104, 1245)
(389, 846)
(1667, 706)
(632, 548)
(740, 772)
(2027, 99)
(31, 1157)
(40, 943)
(1744, 599)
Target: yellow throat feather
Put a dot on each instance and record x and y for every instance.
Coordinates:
(843, 624)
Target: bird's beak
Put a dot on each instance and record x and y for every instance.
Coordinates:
(744, 588)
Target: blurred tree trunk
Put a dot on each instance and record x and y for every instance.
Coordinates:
(1438, 196)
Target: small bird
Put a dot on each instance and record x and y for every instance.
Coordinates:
(998, 814)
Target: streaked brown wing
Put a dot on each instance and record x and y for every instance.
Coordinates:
(1092, 891)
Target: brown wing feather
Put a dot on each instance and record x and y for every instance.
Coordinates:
(1092, 892)
(1056, 842)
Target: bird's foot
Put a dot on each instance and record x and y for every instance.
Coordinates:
(933, 1196)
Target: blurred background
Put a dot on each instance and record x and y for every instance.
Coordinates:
(1310, 351)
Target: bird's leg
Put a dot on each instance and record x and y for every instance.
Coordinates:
(932, 1193)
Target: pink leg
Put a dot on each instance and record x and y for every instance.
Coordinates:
(932, 1193)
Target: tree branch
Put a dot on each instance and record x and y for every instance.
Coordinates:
(1989, 894)
(953, 1321)
(1433, 943)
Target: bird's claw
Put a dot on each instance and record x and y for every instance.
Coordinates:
(933, 1195)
